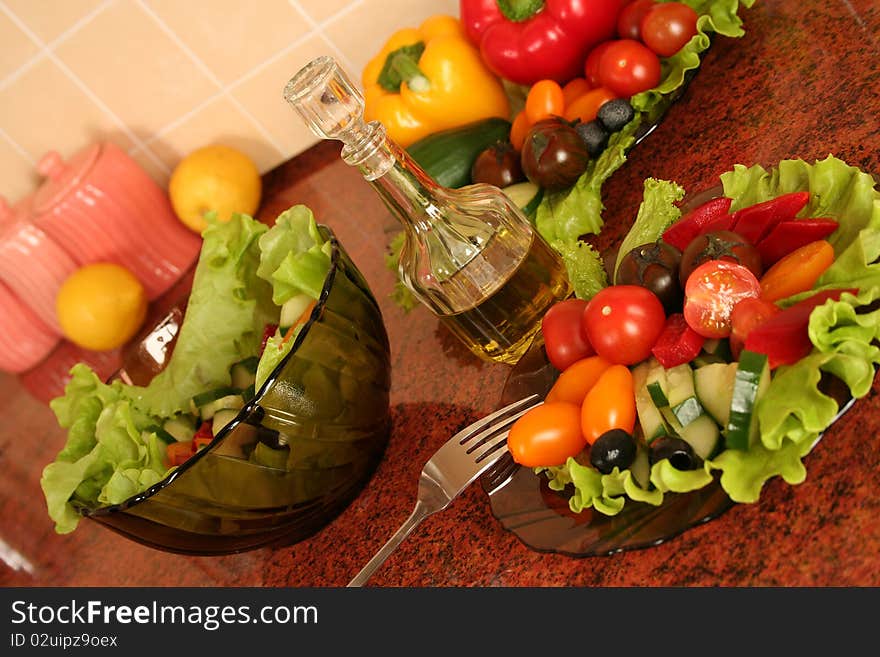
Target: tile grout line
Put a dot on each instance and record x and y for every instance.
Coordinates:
(224, 90)
(319, 28)
(91, 95)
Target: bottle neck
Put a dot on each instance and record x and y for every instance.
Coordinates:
(408, 192)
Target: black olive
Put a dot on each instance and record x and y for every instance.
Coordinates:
(679, 452)
(595, 136)
(613, 448)
(615, 114)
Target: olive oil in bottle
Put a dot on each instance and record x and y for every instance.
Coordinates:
(469, 254)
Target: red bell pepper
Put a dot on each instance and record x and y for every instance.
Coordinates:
(724, 222)
(692, 224)
(790, 235)
(756, 221)
(784, 337)
(529, 40)
(178, 453)
(678, 342)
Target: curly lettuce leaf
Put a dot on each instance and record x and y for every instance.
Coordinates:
(657, 211)
(228, 308)
(585, 266)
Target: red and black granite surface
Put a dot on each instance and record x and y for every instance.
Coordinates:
(803, 82)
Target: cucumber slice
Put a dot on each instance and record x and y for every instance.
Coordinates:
(682, 397)
(651, 421)
(221, 418)
(522, 193)
(205, 398)
(182, 428)
(750, 383)
(719, 347)
(244, 373)
(163, 435)
(713, 384)
(293, 309)
(656, 383)
(641, 467)
(230, 402)
(703, 434)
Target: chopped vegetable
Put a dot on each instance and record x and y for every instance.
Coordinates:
(678, 343)
(798, 271)
(756, 221)
(792, 234)
(695, 222)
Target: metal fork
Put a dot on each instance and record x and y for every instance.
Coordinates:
(458, 463)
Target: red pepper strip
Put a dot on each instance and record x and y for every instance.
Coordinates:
(205, 430)
(790, 235)
(268, 332)
(690, 225)
(198, 443)
(756, 221)
(178, 453)
(784, 337)
(678, 342)
(529, 40)
(724, 222)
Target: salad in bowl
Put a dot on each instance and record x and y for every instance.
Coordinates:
(720, 345)
(267, 417)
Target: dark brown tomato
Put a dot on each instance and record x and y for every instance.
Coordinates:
(554, 156)
(719, 245)
(654, 266)
(498, 165)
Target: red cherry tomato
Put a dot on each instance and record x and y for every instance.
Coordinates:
(711, 292)
(629, 21)
(610, 404)
(623, 322)
(745, 316)
(547, 435)
(628, 67)
(667, 27)
(564, 339)
(591, 65)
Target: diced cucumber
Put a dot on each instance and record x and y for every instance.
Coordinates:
(656, 383)
(230, 402)
(221, 418)
(163, 435)
(750, 383)
(293, 309)
(650, 419)
(682, 398)
(205, 398)
(714, 387)
(526, 195)
(641, 467)
(244, 373)
(703, 435)
(719, 347)
(182, 428)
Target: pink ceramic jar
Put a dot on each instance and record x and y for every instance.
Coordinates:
(101, 206)
(24, 339)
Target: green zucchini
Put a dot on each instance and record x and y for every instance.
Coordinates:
(447, 156)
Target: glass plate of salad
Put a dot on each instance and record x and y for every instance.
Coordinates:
(577, 511)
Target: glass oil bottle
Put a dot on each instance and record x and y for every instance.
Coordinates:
(470, 254)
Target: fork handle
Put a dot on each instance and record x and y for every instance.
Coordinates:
(419, 513)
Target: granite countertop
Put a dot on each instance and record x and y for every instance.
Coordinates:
(802, 83)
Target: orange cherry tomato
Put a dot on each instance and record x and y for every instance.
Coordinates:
(586, 107)
(575, 382)
(546, 435)
(575, 88)
(519, 129)
(610, 404)
(545, 99)
(798, 271)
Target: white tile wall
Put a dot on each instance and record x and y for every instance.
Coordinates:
(163, 77)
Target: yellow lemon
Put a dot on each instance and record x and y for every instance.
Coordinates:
(214, 178)
(101, 306)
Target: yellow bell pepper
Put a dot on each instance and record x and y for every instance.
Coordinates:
(428, 79)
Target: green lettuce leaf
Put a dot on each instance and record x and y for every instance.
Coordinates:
(657, 211)
(585, 265)
(228, 309)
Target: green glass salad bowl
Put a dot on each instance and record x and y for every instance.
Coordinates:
(319, 425)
